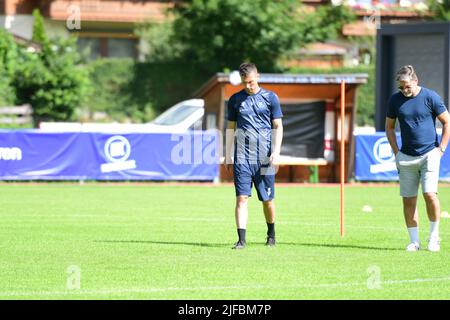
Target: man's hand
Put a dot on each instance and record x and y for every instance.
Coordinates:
(229, 165)
(390, 134)
(274, 159)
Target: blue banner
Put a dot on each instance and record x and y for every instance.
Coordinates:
(375, 161)
(36, 155)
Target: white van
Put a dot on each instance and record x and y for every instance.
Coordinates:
(183, 116)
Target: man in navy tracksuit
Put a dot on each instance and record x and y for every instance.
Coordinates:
(255, 130)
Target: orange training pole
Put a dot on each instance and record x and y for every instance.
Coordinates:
(342, 154)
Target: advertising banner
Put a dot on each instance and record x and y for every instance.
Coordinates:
(36, 155)
(375, 161)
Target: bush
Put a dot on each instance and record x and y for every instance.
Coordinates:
(109, 80)
(8, 51)
(50, 79)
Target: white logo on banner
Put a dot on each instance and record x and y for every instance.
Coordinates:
(10, 154)
(117, 151)
(382, 152)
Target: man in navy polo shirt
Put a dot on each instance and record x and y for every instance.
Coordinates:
(255, 130)
(416, 108)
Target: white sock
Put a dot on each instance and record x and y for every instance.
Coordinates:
(414, 234)
(434, 229)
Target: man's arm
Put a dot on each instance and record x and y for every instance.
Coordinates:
(277, 138)
(444, 118)
(229, 144)
(390, 134)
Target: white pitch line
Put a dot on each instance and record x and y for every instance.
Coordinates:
(218, 288)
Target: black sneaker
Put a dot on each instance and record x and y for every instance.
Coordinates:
(270, 242)
(240, 245)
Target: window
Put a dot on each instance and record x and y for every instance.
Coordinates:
(90, 46)
(121, 48)
(98, 47)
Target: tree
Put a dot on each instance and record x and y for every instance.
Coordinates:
(8, 56)
(220, 34)
(325, 23)
(50, 79)
(217, 35)
(115, 93)
(39, 34)
(157, 39)
(440, 9)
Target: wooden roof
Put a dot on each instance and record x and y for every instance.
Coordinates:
(286, 79)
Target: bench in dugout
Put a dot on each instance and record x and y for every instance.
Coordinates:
(313, 165)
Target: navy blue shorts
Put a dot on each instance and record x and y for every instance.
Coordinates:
(262, 175)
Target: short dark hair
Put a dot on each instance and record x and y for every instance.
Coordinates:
(406, 72)
(246, 68)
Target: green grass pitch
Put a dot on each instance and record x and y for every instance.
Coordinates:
(174, 242)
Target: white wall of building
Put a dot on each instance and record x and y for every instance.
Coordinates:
(20, 25)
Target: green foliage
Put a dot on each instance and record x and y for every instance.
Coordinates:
(39, 34)
(325, 23)
(7, 96)
(50, 80)
(157, 38)
(8, 52)
(17, 126)
(165, 83)
(8, 58)
(217, 35)
(220, 34)
(440, 9)
(111, 92)
(365, 99)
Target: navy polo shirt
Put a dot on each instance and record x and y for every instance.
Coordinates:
(417, 118)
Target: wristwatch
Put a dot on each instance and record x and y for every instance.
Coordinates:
(442, 149)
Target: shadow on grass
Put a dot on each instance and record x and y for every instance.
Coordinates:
(195, 244)
(334, 245)
(229, 245)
